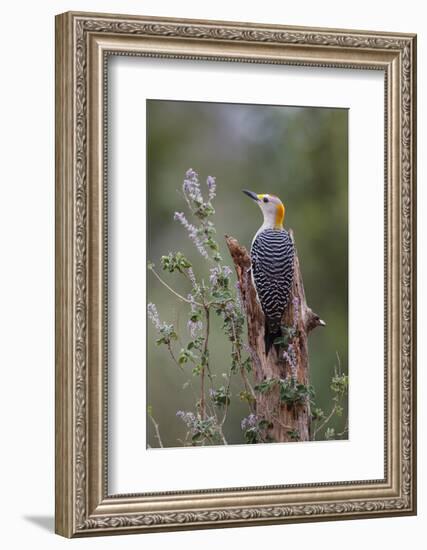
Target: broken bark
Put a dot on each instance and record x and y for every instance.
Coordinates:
(287, 419)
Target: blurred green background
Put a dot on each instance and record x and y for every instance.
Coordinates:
(297, 153)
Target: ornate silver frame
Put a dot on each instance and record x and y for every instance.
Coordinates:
(83, 42)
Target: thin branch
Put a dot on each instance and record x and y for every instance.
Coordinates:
(174, 358)
(221, 433)
(334, 408)
(174, 291)
(339, 361)
(325, 422)
(157, 431)
(206, 365)
(345, 430)
(226, 403)
(227, 391)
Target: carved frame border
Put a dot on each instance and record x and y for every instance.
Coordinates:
(83, 43)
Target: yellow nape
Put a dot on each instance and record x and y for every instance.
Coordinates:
(280, 216)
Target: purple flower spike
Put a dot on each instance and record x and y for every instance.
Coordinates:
(192, 233)
(211, 183)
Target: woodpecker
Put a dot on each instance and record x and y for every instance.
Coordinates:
(272, 255)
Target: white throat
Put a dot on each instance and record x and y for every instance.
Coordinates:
(269, 218)
(269, 221)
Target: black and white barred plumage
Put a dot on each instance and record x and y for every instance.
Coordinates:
(272, 255)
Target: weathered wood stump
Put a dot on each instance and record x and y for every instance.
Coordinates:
(288, 365)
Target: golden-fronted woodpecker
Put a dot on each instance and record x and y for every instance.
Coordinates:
(272, 256)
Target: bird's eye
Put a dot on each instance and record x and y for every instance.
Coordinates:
(265, 199)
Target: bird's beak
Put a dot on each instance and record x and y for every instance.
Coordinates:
(251, 194)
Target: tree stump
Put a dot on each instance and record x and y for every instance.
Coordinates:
(287, 366)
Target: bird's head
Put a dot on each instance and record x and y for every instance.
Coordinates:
(272, 208)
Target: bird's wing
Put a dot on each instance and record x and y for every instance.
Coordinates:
(272, 255)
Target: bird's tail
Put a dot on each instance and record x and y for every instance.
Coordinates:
(272, 331)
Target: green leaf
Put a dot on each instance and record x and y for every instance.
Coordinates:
(196, 316)
(186, 355)
(264, 424)
(266, 385)
(174, 262)
(205, 357)
(247, 364)
(197, 370)
(318, 414)
(246, 396)
(294, 435)
(292, 392)
(221, 397)
(330, 433)
(196, 437)
(339, 410)
(252, 436)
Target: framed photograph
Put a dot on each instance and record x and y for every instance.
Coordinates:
(235, 274)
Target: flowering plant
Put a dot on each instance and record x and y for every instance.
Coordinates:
(218, 295)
